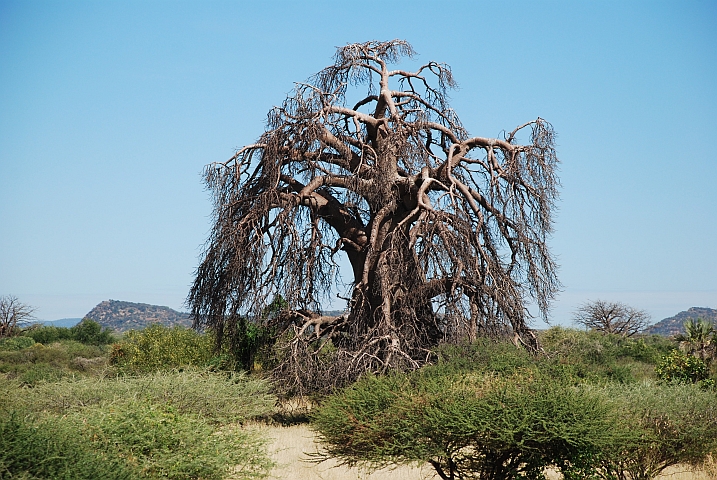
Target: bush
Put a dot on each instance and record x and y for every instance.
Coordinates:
(678, 367)
(161, 348)
(484, 355)
(675, 424)
(481, 425)
(91, 333)
(132, 440)
(32, 374)
(47, 334)
(177, 425)
(49, 449)
(247, 342)
(574, 356)
(595, 357)
(217, 397)
(16, 343)
(52, 362)
(489, 411)
(87, 331)
(648, 348)
(164, 443)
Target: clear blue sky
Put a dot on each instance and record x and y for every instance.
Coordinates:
(109, 111)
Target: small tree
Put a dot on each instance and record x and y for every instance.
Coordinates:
(13, 314)
(90, 332)
(612, 317)
(699, 339)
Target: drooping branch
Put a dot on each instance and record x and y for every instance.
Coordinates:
(446, 233)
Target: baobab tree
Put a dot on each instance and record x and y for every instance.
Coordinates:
(612, 317)
(446, 233)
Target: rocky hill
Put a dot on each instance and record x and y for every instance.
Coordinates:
(674, 325)
(122, 316)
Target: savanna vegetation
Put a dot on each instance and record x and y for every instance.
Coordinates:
(161, 403)
(80, 403)
(594, 405)
(433, 362)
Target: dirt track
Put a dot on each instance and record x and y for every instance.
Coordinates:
(289, 448)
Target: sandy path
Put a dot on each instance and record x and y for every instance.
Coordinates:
(289, 447)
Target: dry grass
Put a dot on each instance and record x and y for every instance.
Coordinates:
(290, 447)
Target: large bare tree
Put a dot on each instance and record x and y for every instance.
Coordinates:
(445, 232)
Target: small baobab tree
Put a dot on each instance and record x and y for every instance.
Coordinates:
(612, 317)
(445, 232)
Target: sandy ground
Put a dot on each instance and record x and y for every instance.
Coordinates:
(290, 447)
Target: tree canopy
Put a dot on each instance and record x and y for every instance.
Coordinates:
(612, 317)
(446, 233)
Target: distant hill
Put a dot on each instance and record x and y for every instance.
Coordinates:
(122, 316)
(675, 325)
(63, 322)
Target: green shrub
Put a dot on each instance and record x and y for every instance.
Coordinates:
(217, 397)
(649, 348)
(679, 367)
(91, 333)
(674, 424)
(574, 356)
(177, 425)
(161, 348)
(16, 343)
(47, 334)
(484, 355)
(245, 341)
(60, 353)
(131, 440)
(52, 449)
(164, 443)
(490, 411)
(595, 357)
(74, 349)
(593, 346)
(32, 374)
(52, 362)
(87, 331)
(467, 425)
